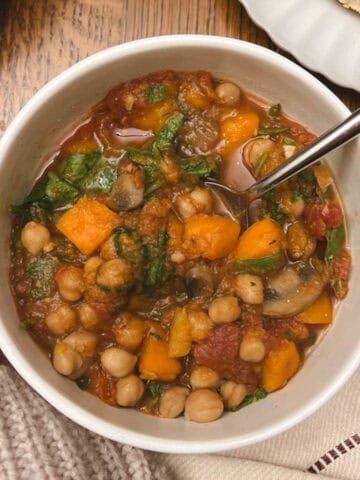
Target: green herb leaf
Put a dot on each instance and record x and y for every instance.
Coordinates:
(38, 193)
(60, 192)
(335, 238)
(166, 134)
(307, 184)
(127, 244)
(82, 382)
(155, 389)
(155, 335)
(151, 170)
(100, 179)
(273, 131)
(259, 394)
(275, 110)
(272, 209)
(155, 253)
(75, 168)
(309, 341)
(260, 163)
(199, 166)
(155, 94)
(259, 265)
(41, 271)
(28, 324)
(289, 141)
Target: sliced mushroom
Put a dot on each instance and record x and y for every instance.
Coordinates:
(199, 134)
(292, 290)
(254, 149)
(127, 193)
(199, 281)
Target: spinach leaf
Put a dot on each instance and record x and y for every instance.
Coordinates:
(28, 323)
(38, 193)
(199, 166)
(153, 390)
(155, 252)
(150, 168)
(272, 209)
(127, 244)
(41, 271)
(335, 238)
(155, 94)
(259, 394)
(166, 134)
(60, 192)
(306, 184)
(275, 110)
(100, 179)
(259, 265)
(75, 168)
(273, 131)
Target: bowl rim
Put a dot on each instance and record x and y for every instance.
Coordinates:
(70, 408)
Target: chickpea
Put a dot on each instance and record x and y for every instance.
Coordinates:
(249, 288)
(119, 363)
(83, 342)
(292, 207)
(200, 325)
(113, 274)
(252, 349)
(185, 207)
(129, 390)
(201, 198)
(203, 406)
(70, 282)
(170, 170)
(90, 268)
(88, 316)
(61, 320)
(228, 93)
(66, 360)
(172, 402)
(34, 237)
(108, 250)
(204, 377)
(177, 257)
(129, 331)
(233, 393)
(224, 309)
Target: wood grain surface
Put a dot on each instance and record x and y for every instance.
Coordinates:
(40, 38)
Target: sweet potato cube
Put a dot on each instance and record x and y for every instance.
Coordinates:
(87, 224)
(280, 365)
(319, 312)
(180, 335)
(155, 362)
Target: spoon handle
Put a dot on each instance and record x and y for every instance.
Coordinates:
(327, 142)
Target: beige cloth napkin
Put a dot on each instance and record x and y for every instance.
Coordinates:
(37, 442)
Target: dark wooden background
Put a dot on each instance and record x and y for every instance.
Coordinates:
(41, 38)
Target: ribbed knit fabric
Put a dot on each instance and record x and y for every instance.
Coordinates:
(38, 443)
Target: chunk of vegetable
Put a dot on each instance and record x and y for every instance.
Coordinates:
(59, 192)
(180, 335)
(87, 224)
(264, 238)
(335, 238)
(280, 365)
(237, 130)
(300, 244)
(166, 134)
(155, 362)
(319, 312)
(155, 253)
(41, 271)
(210, 236)
(75, 168)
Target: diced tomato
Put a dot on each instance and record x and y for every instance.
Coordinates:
(320, 216)
(342, 267)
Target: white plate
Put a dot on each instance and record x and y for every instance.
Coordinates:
(321, 34)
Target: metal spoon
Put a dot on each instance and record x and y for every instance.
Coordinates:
(236, 203)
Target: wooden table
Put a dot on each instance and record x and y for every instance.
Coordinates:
(40, 38)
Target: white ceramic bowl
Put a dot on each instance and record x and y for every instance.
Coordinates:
(45, 120)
